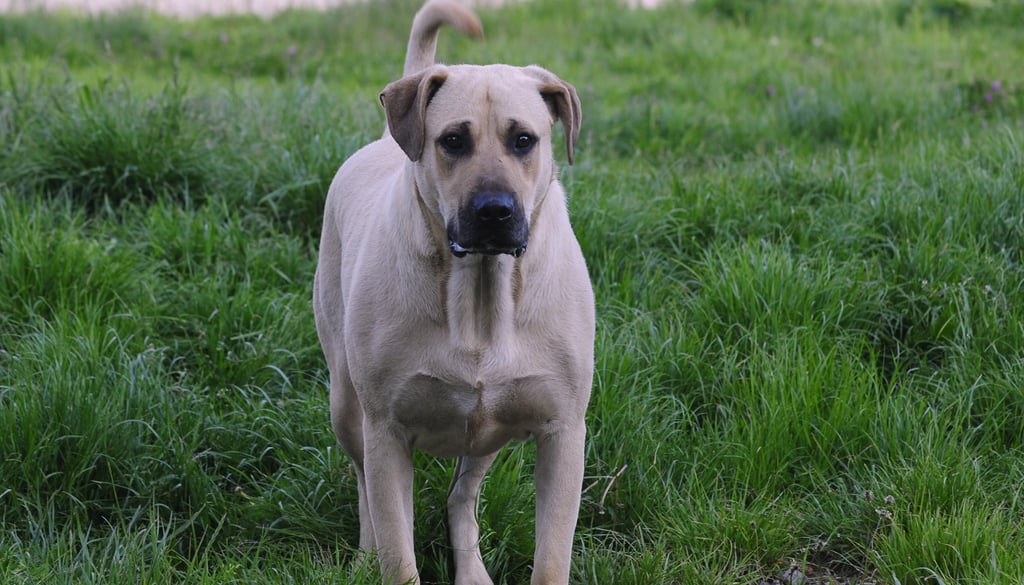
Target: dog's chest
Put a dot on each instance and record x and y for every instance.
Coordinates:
(447, 416)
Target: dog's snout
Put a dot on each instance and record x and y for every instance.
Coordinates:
(493, 207)
(491, 222)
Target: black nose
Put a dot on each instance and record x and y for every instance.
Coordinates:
(493, 207)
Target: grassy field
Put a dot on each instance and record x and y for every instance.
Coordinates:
(805, 226)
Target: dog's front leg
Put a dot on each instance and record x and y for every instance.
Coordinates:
(464, 531)
(388, 469)
(559, 476)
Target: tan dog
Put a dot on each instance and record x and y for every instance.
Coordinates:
(441, 331)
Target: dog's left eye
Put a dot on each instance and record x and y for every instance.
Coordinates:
(523, 143)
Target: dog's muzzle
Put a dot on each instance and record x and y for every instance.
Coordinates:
(491, 223)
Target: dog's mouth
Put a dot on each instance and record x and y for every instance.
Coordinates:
(492, 223)
(460, 251)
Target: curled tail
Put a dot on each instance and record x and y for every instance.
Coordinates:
(428, 21)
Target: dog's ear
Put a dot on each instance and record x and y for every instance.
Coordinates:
(405, 104)
(564, 103)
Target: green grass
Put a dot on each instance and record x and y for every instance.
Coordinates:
(804, 223)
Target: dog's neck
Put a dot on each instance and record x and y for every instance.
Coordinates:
(481, 300)
(478, 290)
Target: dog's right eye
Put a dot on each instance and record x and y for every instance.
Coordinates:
(523, 142)
(453, 143)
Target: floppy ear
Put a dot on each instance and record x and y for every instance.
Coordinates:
(564, 103)
(405, 104)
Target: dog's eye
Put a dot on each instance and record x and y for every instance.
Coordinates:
(523, 143)
(453, 143)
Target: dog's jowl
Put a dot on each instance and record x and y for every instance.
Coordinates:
(453, 303)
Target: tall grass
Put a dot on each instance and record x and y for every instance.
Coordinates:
(804, 224)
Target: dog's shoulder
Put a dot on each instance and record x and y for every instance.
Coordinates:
(376, 160)
(368, 170)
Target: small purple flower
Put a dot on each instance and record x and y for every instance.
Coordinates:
(989, 97)
(996, 86)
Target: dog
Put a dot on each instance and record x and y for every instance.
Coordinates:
(453, 303)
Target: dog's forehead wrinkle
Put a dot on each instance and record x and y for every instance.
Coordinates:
(493, 86)
(457, 126)
(516, 126)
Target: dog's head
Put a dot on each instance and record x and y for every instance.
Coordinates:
(481, 140)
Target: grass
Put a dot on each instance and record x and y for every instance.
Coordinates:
(804, 223)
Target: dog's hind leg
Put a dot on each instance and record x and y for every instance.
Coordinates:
(464, 532)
